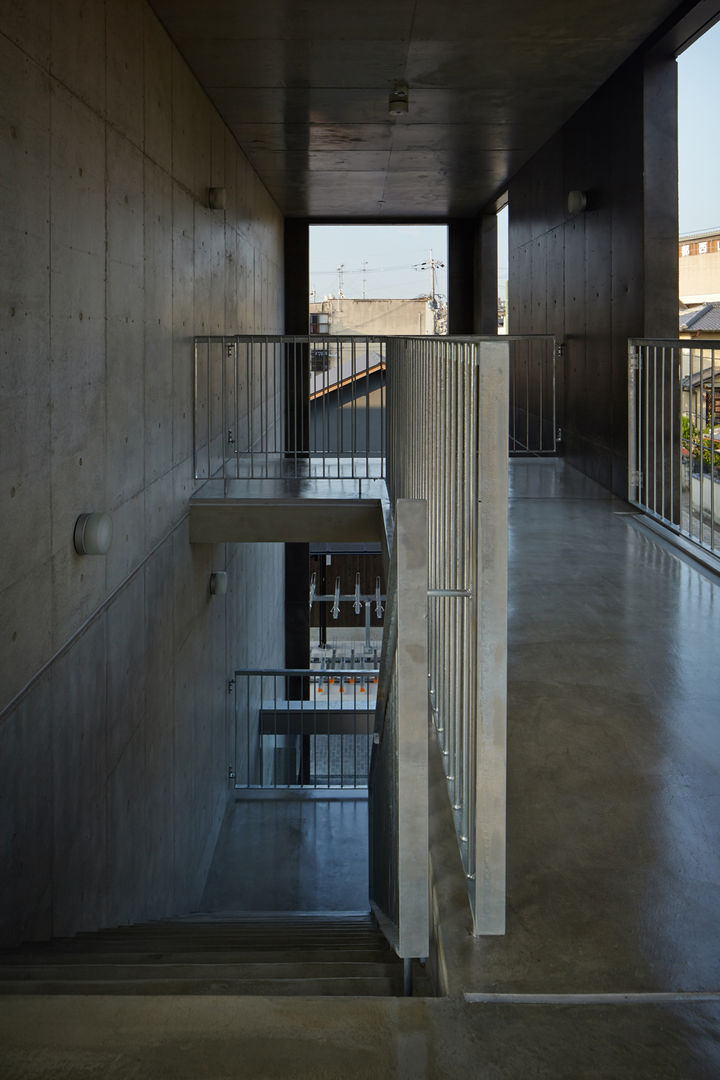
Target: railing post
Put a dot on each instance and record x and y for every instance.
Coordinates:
(491, 615)
(633, 365)
(412, 713)
(399, 874)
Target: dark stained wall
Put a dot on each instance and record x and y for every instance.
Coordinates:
(596, 278)
(472, 275)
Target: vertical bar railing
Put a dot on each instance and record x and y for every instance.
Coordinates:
(331, 713)
(673, 442)
(447, 406)
(533, 410)
(268, 405)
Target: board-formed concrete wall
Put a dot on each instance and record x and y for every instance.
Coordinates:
(113, 761)
(596, 278)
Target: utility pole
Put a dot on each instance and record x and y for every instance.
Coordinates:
(432, 265)
(364, 273)
(340, 270)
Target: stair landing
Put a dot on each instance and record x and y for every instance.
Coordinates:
(289, 510)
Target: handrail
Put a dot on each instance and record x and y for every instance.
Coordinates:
(301, 728)
(296, 405)
(673, 438)
(447, 444)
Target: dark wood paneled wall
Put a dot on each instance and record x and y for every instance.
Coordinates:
(598, 277)
(297, 556)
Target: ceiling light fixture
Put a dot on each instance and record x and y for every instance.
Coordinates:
(398, 102)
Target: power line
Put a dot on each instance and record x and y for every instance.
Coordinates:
(368, 270)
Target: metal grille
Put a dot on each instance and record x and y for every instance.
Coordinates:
(315, 405)
(448, 438)
(533, 413)
(289, 406)
(674, 435)
(302, 728)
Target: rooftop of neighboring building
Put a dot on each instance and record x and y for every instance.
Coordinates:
(706, 234)
(701, 320)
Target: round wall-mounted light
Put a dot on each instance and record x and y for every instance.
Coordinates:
(577, 202)
(93, 534)
(218, 582)
(217, 198)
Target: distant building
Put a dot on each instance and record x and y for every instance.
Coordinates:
(699, 258)
(700, 385)
(339, 315)
(701, 322)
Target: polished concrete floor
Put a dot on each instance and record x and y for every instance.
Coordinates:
(613, 756)
(295, 854)
(613, 848)
(613, 751)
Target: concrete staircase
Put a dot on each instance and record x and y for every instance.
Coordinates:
(215, 954)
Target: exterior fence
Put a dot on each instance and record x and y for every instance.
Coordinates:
(674, 435)
(303, 728)
(447, 444)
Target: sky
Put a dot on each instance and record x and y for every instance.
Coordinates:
(698, 133)
(394, 253)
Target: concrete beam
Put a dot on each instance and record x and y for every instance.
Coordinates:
(242, 522)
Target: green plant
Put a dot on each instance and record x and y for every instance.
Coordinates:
(698, 442)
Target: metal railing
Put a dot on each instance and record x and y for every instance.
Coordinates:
(445, 438)
(303, 728)
(447, 444)
(533, 409)
(289, 406)
(314, 405)
(674, 435)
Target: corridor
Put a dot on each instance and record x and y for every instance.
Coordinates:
(614, 861)
(613, 751)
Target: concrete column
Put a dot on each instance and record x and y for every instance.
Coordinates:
(297, 294)
(486, 284)
(472, 275)
(461, 276)
(491, 614)
(297, 388)
(297, 275)
(660, 231)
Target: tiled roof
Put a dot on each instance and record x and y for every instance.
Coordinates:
(707, 375)
(705, 319)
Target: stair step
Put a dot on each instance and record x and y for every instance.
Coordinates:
(86, 955)
(236, 954)
(218, 929)
(222, 945)
(203, 971)
(317, 987)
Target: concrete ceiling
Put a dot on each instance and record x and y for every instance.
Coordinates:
(304, 86)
